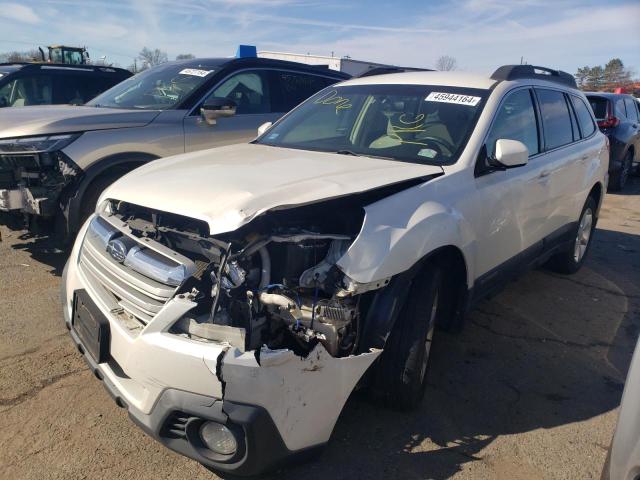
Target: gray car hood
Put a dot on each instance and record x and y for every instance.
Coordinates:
(227, 187)
(50, 119)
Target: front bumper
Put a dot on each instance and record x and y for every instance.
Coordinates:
(282, 405)
(260, 446)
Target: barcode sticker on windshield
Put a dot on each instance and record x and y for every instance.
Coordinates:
(452, 98)
(195, 72)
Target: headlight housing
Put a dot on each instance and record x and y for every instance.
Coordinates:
(42, 144)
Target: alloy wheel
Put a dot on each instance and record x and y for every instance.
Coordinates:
(583, 236)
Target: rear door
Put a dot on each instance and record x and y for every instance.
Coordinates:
(561, 162)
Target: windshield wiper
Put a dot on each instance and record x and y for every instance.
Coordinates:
(348, 152)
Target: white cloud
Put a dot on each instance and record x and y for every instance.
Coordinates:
(481, 34)
(21, 13)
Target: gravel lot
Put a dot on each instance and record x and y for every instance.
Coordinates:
(529, 390)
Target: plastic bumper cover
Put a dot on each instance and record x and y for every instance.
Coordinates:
(260, 446)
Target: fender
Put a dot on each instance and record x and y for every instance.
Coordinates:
(386, 247)
(74, 195)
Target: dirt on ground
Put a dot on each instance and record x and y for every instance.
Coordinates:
(529, 390)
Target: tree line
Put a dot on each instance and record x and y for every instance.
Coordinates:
(609, 77)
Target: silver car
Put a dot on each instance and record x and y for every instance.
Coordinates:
(623, 461)
(56, 160)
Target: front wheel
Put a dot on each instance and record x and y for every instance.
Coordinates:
(570, 260)
(400, 376)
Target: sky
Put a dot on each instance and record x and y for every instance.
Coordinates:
(480, 34)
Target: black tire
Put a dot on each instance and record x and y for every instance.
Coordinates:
(93, 192)
(618, 179)
(400, 376)
(571, 260)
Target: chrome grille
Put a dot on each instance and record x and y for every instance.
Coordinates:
(139, 296)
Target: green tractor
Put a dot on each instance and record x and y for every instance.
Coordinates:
(66, 55)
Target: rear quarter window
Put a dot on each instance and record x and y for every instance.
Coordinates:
(587, 127)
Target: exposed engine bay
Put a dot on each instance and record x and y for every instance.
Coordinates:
(273, 282)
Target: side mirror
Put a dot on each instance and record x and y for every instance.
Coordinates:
(217, 107)
(264, 127)
(511, 153)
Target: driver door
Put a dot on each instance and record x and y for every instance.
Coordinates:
(509, 208)
(249, 89)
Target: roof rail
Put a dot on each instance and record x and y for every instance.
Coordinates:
(391, 69)
(513, 72)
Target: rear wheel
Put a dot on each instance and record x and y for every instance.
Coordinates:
(570, 260)
(400, 376)
(619, 179)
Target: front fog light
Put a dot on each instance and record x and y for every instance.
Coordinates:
(218, 438)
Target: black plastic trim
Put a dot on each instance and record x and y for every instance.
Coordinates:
(517, 72)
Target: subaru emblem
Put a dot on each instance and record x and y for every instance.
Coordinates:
(118, 249)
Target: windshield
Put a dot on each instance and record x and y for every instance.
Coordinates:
(413, 123)
(159, 88)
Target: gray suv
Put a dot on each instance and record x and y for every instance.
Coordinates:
(56, 160)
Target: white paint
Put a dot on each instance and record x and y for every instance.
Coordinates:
(304, 396)
(228, 186)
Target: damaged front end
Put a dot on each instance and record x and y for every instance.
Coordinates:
(274, 323)
(33, 173)
(272, 283)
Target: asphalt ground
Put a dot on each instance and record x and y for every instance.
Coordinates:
(529, 390)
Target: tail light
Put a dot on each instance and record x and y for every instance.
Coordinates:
(609, 122)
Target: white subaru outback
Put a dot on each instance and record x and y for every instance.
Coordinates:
(231, 299)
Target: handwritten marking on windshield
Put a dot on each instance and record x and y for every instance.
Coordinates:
(332, 98)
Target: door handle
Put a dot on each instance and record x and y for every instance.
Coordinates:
(544, 173)
(584, 157)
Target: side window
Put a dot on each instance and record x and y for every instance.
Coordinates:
(574, 122)
(632, 113)
(248, 89)
(5, 93)
(29, 90)
(556, 118)
(584, 117)
(619, 108)
(79, 88)
(294, 88)
(515, 120)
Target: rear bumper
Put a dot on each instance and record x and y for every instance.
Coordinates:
(260, 445)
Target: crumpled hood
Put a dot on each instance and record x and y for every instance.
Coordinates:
(50, 119)
(228, 186)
